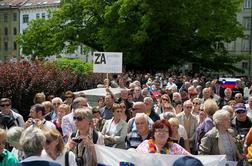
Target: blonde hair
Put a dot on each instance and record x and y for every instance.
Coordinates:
(84, 113)
(54, 134)
(65, 107)
(210, 107)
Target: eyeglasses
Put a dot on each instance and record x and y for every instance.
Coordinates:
(163, 131)
(165, 99)
(68, 96)
(78, 118)
(4, 105)
(56, 103)
(241, 111)
(196, 103)
(189, 107)
(238, 97)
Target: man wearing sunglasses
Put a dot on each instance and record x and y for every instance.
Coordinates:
(5, 107)
(241, 123)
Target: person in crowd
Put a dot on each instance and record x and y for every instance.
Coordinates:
(238, 98)
(187, 161)
(13, 137)
(176, 136)
(48, 109)
(32, 142)
(167, 108)
(190, 122)
(68, 125)
(176, 97)
(54, 149)
(37, 113)
(241, 123)
(149, 109)
(69, 97)
(196, 106)
(98, 122)
(164, 99)
(124, 96)
(138, 107)
(82, 142)
(192, 92)
(142, 132)
(207, 94)
(219, 139)
(5, 108)
(178, 107)
(115, 129)
(6, 157)
(160, 141)
(230, 109)
(126, 114)
(249, 107)
(101, 103)
(202, 117)
(39, 98)
(62, 110)
(137, 96)
(106, 112)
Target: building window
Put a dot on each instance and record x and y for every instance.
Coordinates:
(25, 18)
(43, 15)
(5, 31)
(245, 43)
(247, 4)
(14, 16)
(37, 15)
(5, 17)
(6, 46)
(246, 23)
(245, 65)
(14, 46)
(14, 31)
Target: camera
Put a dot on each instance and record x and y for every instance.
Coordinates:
(77, 140)
(79, 161)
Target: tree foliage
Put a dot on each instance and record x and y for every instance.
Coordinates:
(159, 33)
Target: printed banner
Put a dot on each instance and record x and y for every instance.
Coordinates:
(107, 156)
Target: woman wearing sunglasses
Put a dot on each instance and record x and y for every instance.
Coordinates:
(54, 149)
(82, 142)
(115, 129)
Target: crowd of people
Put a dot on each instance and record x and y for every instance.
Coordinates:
(175, 115)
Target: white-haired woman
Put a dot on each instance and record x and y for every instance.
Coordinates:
(219, 139)
(13, 137)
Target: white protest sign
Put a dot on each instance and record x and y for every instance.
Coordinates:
(107, 62)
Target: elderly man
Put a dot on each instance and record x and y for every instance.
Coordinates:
(134, 138)
(5, 107)
(106, 112)
(249, 107)
(189, 121)
(149, 109)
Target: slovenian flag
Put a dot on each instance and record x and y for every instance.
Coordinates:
(229, 82)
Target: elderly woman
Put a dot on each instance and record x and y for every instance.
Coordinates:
(54, 149)
(32, 141)
(82, 142)
(63, 109)
(13, 137)
(115, 129)
(210, 107)
(6, 158)
(160, 142)
(219, 139)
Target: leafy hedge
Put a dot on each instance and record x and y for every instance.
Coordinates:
(21, 81)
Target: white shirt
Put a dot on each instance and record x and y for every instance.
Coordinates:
(61, 158)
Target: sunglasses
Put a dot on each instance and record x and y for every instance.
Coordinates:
(196, 103)
(68, 96)
(238, 97)
(118, 111)
(78, 118)
(5, 105)
(165, 99)
(189, 107)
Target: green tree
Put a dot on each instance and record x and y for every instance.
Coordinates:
(158, 33)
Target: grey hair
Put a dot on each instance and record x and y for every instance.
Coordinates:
(168, 115)
(148, 100)
(219, 115)
(76, 102)
(14, 134)
(55, 99)
(140, 115)
(32, 141)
